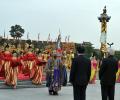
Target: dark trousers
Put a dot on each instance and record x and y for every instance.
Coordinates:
(107, 92)
(48, 80)
(79, 92)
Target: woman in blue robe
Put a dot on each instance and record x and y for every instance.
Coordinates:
(55, 85)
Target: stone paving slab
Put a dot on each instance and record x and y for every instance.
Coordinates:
(22, 84)
(93, 93)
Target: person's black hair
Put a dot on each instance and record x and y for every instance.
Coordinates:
(81, 49)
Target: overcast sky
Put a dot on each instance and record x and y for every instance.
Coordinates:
(77, 18)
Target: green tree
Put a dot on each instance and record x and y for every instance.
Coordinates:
(29, 42)
(117, 54)
(16, 31)
(89, 49)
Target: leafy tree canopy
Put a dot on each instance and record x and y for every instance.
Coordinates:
(16, 31)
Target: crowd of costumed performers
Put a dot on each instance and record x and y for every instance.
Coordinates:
(50, 65)
(69, 55)
(33, 64)
(13, 64)
(94, 69)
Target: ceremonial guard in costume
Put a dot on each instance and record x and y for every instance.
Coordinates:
(55, 85)
(94, 66)
(7, 59)
(30, 57)
(49, 71)
(68, 60)
(45, 56)
(21, 57)
(118, 73)
(2, 71)
(55, 82)
(69, 57)
(25, 68)
(15, 62)
(37, 78)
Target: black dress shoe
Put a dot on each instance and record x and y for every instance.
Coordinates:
(50, 93)
(55, 93)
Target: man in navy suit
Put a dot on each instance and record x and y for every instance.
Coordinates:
(80, 74)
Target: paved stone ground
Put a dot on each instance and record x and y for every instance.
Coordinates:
(22, 84)
(93, 93)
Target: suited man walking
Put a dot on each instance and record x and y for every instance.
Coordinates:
(80, 74)
(107, 75)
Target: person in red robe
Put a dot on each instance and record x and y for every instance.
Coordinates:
(37, 79)
(30, 58)
(7, 58)
(2, 71)
(25, 69)
(20, 68)
(15, 62)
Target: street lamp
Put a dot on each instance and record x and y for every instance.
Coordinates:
(110, 44)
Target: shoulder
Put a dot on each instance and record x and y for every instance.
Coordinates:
(75, 59)
(115, 58)
(86, 58)
(111, 59)
(105, 59)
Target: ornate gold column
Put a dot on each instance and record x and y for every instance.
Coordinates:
(104, 18)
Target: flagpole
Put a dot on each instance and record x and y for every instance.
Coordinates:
(38, 36)
(65, 38)
(68, 38)
(59, 31)
(28, 35)
(4, 33)
(48, 38)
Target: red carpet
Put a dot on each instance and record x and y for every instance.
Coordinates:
(23, 77)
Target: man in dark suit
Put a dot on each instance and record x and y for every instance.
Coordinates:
(107, 75)
(80, 74)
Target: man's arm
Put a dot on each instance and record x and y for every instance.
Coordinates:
(89, 70)
(116, 66)
(102, 68)
(72, 72)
